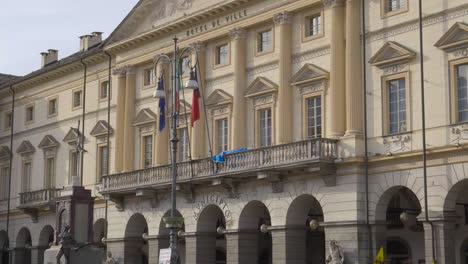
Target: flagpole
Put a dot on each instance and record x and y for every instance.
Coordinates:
(173, 222)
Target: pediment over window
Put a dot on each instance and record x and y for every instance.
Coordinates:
(456, 36)
(390, 53)
(218, 97)
(25, 148)
(48, 142)
(261, 86)
(5, 152)
(72, 135)
(185, 107)
(100, 129)
(309, 73)
(145, 116)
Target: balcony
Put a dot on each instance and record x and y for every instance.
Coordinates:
(273, 163)
(41, 200)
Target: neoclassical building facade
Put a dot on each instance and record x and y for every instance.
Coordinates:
(331, 119)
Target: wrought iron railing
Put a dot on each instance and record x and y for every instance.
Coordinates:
(290, 154)
(38, 198)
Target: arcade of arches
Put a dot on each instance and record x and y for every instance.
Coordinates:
(398, 226)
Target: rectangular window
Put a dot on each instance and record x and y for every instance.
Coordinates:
(50, 172)
(462, 92)
(148, 151)
(26, 176)
(103, 160)
(29, 113)
(104, 90)
(74, 163)
(52, 109)
(222, 54)
(265, 40)
(314, 117)
(393, 5)
(5, 174)
(77, 98)
(265, 127)
(396, 90)
(315, 25)
(149, 77)
(183, 144)
(8, 120)
(221, 135)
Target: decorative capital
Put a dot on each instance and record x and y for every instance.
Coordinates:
(130, 69)
(238, 33)
(119, 72)
(284, 17)
(199, 46)
(122, 71)
(333, 3)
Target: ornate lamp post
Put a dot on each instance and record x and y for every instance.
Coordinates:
(175, 223)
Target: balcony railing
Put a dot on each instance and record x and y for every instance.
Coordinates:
(249, 161)
(38, 198)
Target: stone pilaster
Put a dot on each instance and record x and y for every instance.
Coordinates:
(443, 233)
(153, 249)
(354, 92)
(198, 130)
(238, 128)
(161, 141)
(352, 237)
(37, 255)
(120, 73)
(200, 248)
(284, 117)
(336, 111)
(129, 131)
(279, 247)
(117, 247)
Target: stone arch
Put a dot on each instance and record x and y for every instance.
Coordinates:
(254, 245)
(396, 214)
(211, 246)
(99, 230)
(384, 199)
(163, 236)
(136, 248)
(46, 240)
(4, 244)
(303, 243)
(46, 237)
(453, 195)
(23, 246)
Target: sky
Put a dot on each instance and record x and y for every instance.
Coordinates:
(29, 27)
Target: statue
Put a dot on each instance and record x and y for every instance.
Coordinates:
(67, 244)
(110, 259)
(336, 255)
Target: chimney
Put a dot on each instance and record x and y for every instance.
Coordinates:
(88, 41)
(48, 57)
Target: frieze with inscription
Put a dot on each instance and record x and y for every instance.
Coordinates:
(228, 19)
(214, 199)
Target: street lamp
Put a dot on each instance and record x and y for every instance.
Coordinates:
(173, 222)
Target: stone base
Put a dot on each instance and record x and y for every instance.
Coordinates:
(88, 255)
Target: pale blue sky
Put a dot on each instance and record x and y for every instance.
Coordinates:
(29, 27)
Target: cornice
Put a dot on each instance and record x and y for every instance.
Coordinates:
(411, 25)
(255, 18)
(57, 124)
